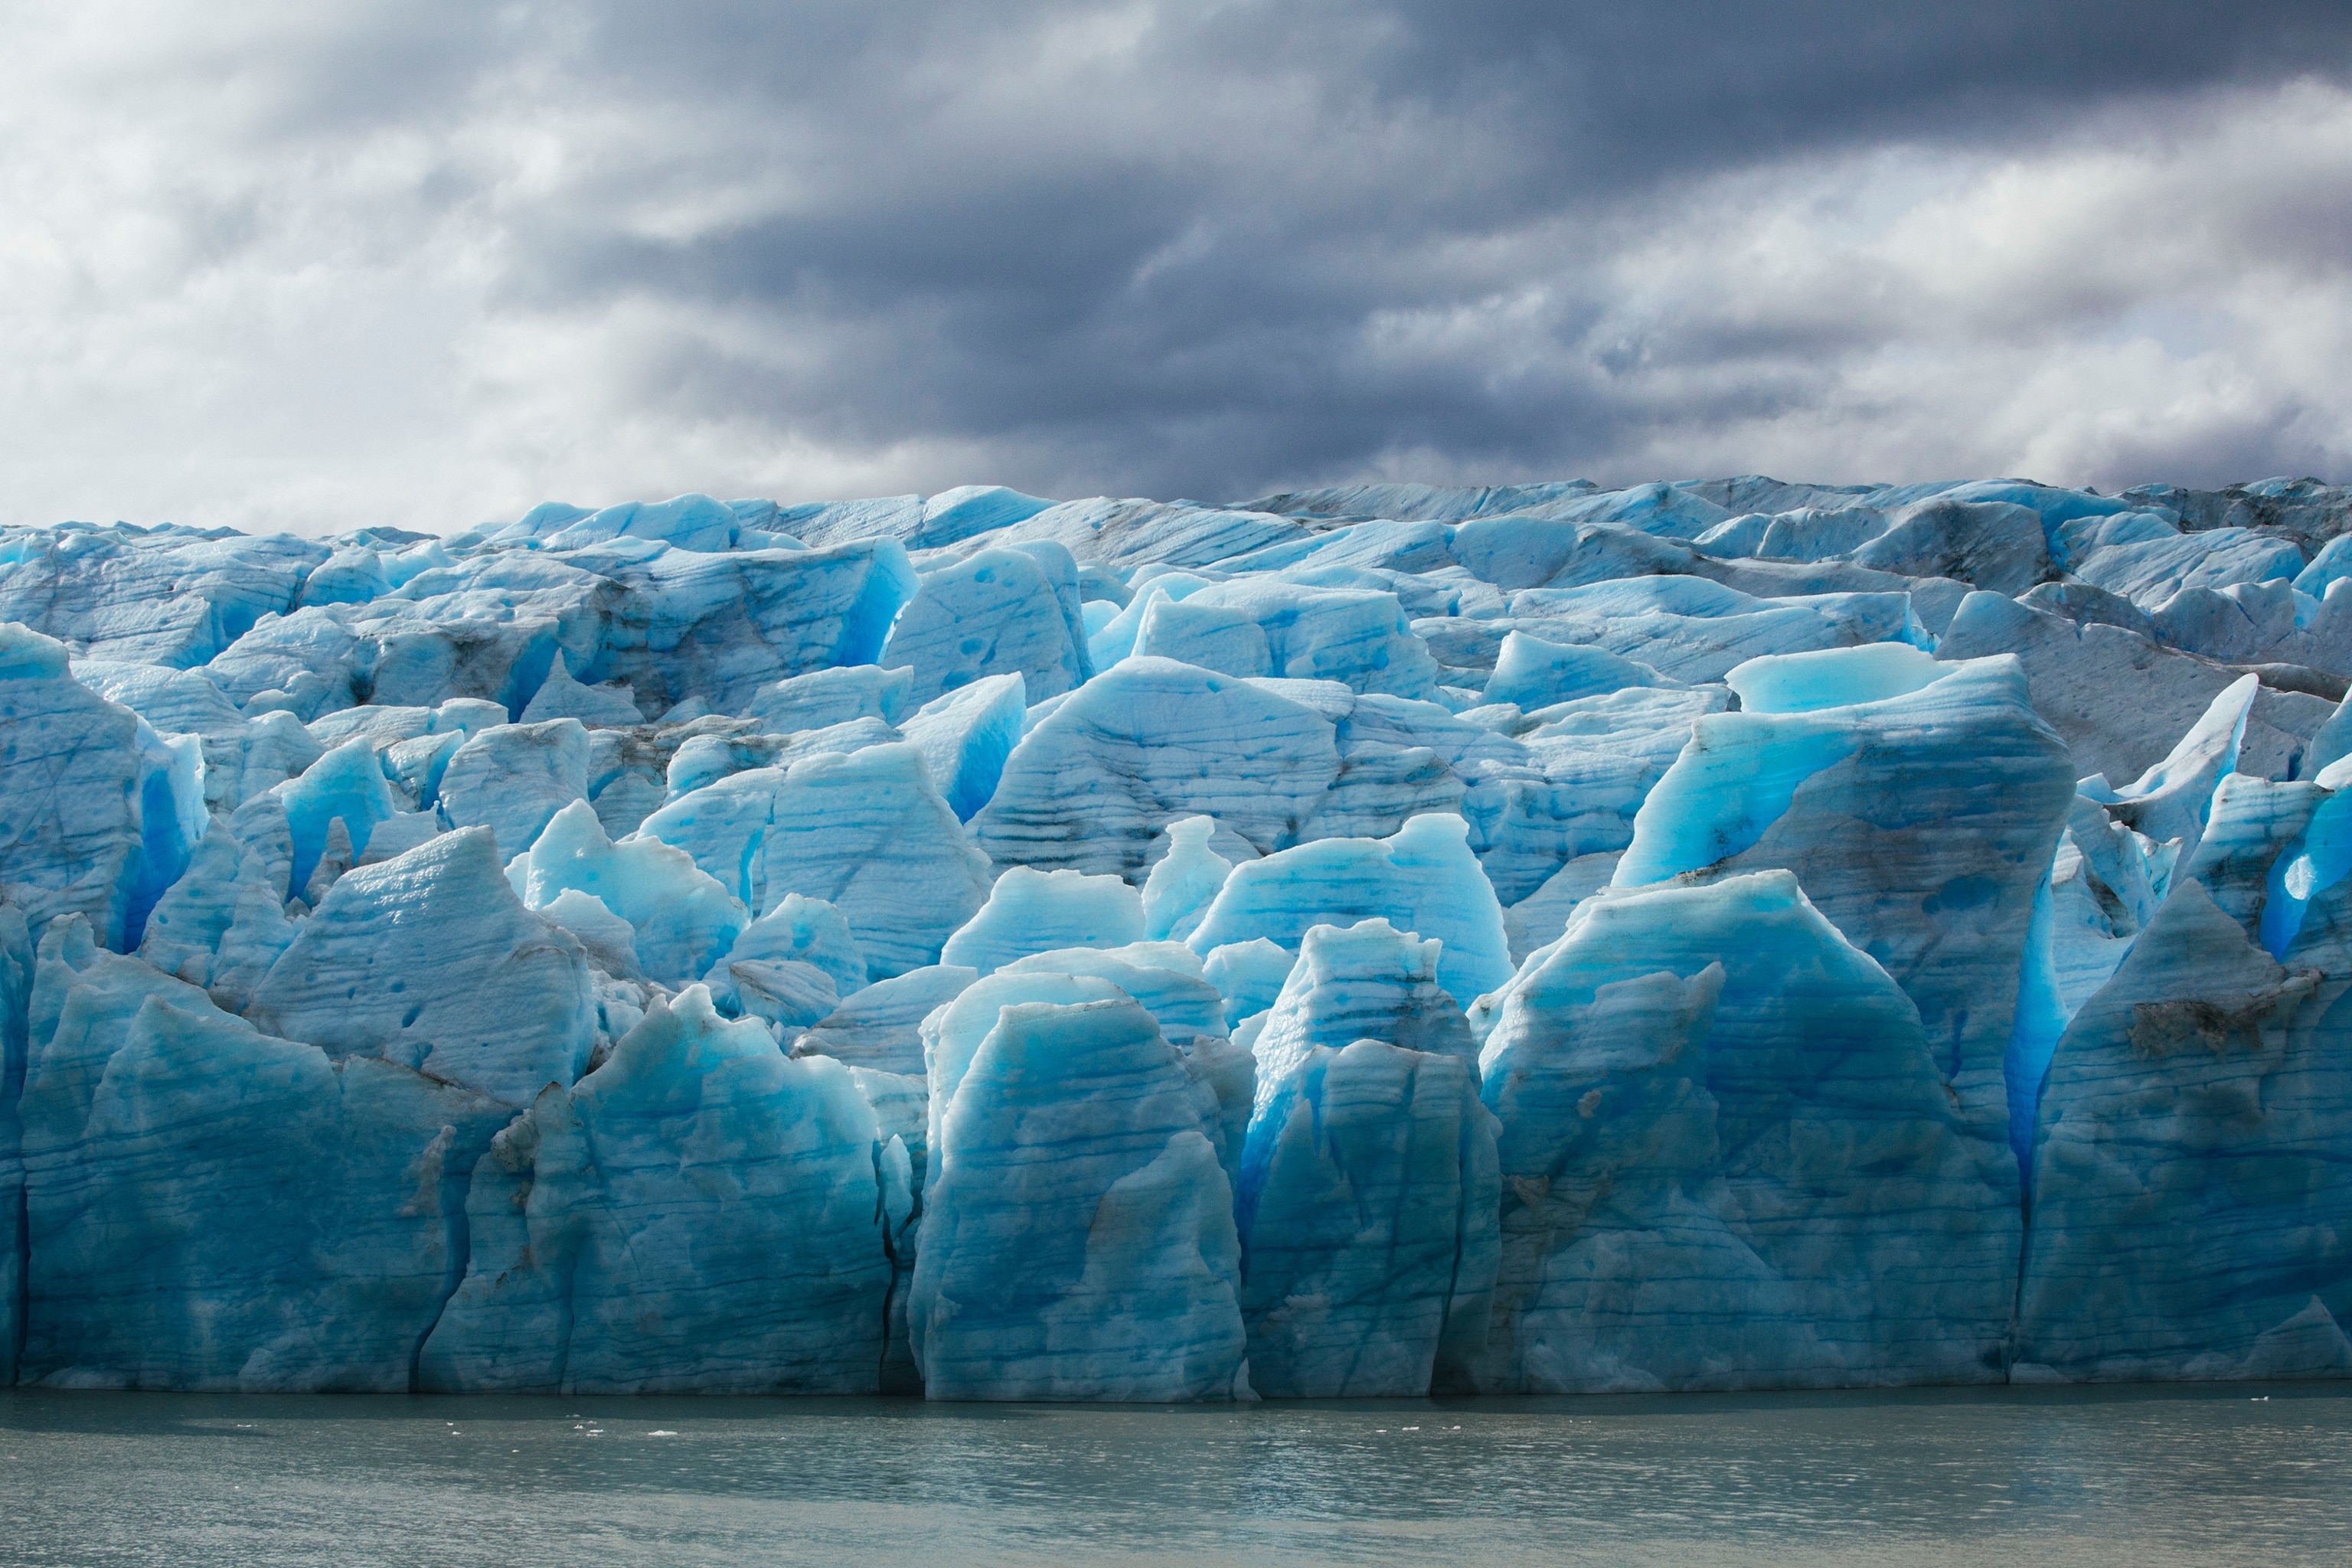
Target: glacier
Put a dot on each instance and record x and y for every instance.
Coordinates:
(1375, 941)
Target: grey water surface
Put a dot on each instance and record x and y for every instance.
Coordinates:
(2139, 1476)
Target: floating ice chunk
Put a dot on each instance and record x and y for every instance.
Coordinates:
(869, 833)
(1729, 1159)
(1369, 981)
(431, 962)
(827, 697)
(1177, 896)
(1833, 678)
(1090, 785)
(997, 612)
(1077, 1240)
(1534, 673)
(1370, 1191)
(966, 736)
(561, 696)
(683, 921)
(755, 1267)
(1032, 911)
(880, 1027)
(512, 779)
(97, 814)
(1423, 878)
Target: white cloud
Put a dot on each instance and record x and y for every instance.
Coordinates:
(320, 269)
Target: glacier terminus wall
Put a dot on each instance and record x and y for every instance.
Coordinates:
(1365, 941)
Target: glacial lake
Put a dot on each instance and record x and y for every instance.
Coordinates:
(2139, 1476)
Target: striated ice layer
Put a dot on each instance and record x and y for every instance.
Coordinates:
(2187, 1158)
(1729, 1158)
(699, 1213)
(1078, 1238)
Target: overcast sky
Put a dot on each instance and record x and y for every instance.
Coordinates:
(319, 265)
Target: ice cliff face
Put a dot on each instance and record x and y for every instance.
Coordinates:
(1360, 942)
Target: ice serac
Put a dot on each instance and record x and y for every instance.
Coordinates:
(721, 626)
(1729, 1159)
(513, 778)
(561, 696)
(1032, 911)
(1000, 612)
(966, 735)
(699, 1213)
(826, 697)
(867, 833)
(346, 786)
(2190, 1198)
(2120, 700)
(1369, 1202)
(1095, 781)
(431, 962)
(683, 922)
(223, 1209)
(1368, 981)
(1164, 976)
(1078, 1238)
(1423, 879)
(1920, 824)
(880, 1027)
(97, 814)
(1177, 895)
(1533, 673)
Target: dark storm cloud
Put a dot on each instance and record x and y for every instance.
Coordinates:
(1166, 303)
(1223, 248)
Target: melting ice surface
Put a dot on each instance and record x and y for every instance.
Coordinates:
(1378, 943)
